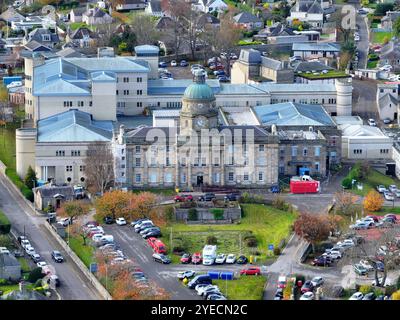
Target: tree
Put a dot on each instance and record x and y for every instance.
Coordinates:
(313, 228)
(142, 205)
(334, 222)
(99, 167)
(77, 230)
(396, 27)
(143, 26)
(396, 295)
(73, 209)
(373, 201)
(344, 202)
(113, 203)
(190, 24)
(35, 274)
(382, 8)
(30, 178)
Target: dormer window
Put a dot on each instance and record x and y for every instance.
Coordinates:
(46, 37)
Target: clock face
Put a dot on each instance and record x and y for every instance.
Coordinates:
(201, 122)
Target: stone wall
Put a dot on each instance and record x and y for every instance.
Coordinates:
(205, 215)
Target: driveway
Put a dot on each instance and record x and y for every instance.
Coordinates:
(74, 285)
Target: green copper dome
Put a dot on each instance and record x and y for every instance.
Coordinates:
(199, 90)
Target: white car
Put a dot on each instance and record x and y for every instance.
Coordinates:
(334, 254)
(357, 296)
(372, 122)
(25, 243)
(366, 265)
(173, 63)
(393, 188)
(317, 281)
(381, 188)
(307, 296)
(41, 264)
(388, 196)
(220, 259)
(4, 250)
(30, 250)
(348, 242)
(386, 67)
(120, 221)
(231, 258)
(186, 274)
(201, 289)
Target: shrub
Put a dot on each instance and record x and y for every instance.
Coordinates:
(277, 251)
(218, 214)
(364, 289)
(211, 240)
(280, 203)
(251, 242)
(5, 225)
(192, 214)
(178, 246)
(169, 213)
(12, 174)
(35, 275)
(5, 241)
(389, 290)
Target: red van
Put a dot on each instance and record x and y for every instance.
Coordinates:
(157, 245)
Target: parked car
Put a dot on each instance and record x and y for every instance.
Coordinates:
(203, 290)
(54, 278)
(365, 264)
(322, 261)
(157, 245)
(36, 257)
(136, 222)
(143, 225)
(388, 196)
(307, 286)
(173, 63)
(307, 296)
(360, 226)
(25, 243)
(392, 188)
(223, 78)
(393, 216)
(207, 197)
(231, 197)
(241, 260)
(183, 198)
(196, 258)
(278, 294)
(41, 264)
(374, 218)
(369, 296)
(57, 257)
(186, 258)
(183, 63)
(216, 296)
(30, 250)
(212, 292)
(108, 220)
(153, 233)
(162, 64)
(159, 257)
(388, 120)
(317, 281)
(200, 279)
(359, 269)
(219, 73)
(120, 221)
(381, 188)
(148, 230)
(282, 282)
(20, 238)
(220, 259)
(231, 258)
(186, 274)
(251, 271)
(357, 296)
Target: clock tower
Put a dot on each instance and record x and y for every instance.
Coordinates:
(199, 110)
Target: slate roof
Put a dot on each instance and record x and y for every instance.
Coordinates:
(176, 87)
(78, 11)
(271, 63)
(251, 56)
(82, 32)
(387, 99)
(33, 45)
(164, 23)
(170, 113)
(390, 51)
(312, 66)
(11, 15)
(308, 6)
(39, 32)
(246, 17)
(51, 191)
(207, 19)
(69, 53)
(155, 6)
(73, 126)
(281, 30)
(293, 114)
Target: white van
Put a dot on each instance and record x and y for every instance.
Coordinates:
(209, 254)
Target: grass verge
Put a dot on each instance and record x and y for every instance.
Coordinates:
(244, 288)
(85, 253)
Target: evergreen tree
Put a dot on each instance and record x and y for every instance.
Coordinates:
(30, 178)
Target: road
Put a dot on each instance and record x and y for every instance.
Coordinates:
(74, 285)
(363, 44)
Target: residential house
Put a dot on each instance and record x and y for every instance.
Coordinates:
(82, 37)
(154, 8)
(390, 54)
(44, 36)
(252, 66)
(131, 5)
(76, 14)
(34, 46)
(11, 15)
(10, 268)
(96, 16)
(307, 51)
(248, 21)
(387, 98)
(32, 22)
(69, 53)
(165, 23)
(389, 19)
(207, 19)
(309, 11)
(52, 195)
(211, 5)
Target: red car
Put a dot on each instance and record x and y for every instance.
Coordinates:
(251, 271)
(196, 258)
(157, 245)
(186, 258)
(183, 198)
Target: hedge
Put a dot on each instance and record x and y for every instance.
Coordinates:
(5, 225)
(12, 174)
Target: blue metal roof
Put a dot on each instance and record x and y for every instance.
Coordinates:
(293, 114)
(73, 126)
(176, 87)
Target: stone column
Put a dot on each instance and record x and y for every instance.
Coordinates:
(222, 164)
(210, 180)
(145, 168)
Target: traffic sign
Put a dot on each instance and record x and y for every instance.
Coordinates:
(271, 247)
(93, 267)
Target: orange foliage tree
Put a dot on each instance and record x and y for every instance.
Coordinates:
(73, 209)
(373, 201)
(311, 227)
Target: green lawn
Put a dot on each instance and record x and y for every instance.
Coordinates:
(379, 37)
(372, 64)
(244, 288)
(267, 224)
(85, 253)
(7, 146)
(374, 178)
(329, 74)
(24, 264)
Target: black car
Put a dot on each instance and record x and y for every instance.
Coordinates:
(231, 197)
(148, 230)
(108, 220)
(183, 63)
(211, 292)
(369, 296)
(241, 260)
(155, 234)
(207, 197)
(322, 262)
(158, 257)
(57, 257)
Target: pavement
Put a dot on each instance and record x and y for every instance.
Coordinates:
(74, 285)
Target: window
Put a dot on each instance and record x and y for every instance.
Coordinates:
(281, 170)
(317, 151)
(203, 162)
(137, 162)
(317, 166)
(117, 92)
(216, 177)
(183, 178)
(82, 168)
(230, 176)
(81, 104)
(67, 103)
(60, 153)
(126, 92)
(168, 177)
(139, 104)
(294, 151)
(305, 152)
(260, 176)
(384, 151)
(183, 162)
(261, 148)
(90, 103)
(139, 92)
(68, 168)
(126, 79)
(246, 176)
(75, 153)
(138, 178)
(153, 178)
(357, 151)
(140, 79)
(216, 161)
(167, 161)
(196, 162)
(46, 37)
(137, 149)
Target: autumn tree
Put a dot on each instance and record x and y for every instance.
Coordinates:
(99, 167)
(373, 201)
(113, 203)
(344, 202)
(73, 209)
(76, 230)
(334, 222)
(143, 26)
(313, 228)
(142, 204)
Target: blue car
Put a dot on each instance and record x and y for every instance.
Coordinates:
(275, 189)
(183, 63)
(162, 64)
